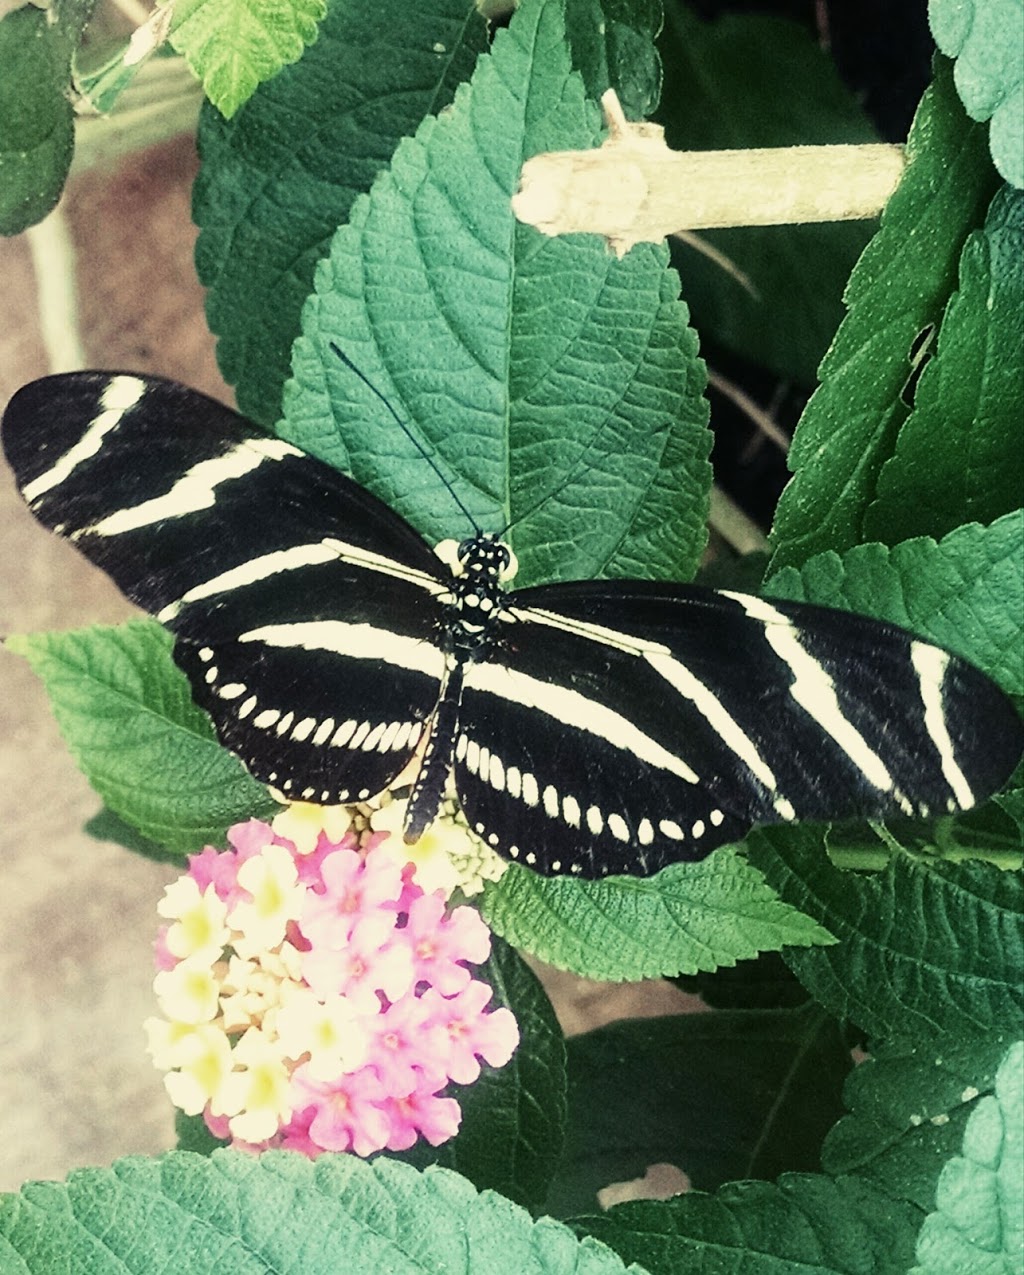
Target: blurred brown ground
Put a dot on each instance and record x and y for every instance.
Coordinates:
(77, 916)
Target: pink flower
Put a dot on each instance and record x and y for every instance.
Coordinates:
(421, 1112)
(352, 887)
(466, 1031)
(405, 1047)
(346, 1113)
(440, 943)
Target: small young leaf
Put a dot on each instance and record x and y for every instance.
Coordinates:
(689, 917)
(513, 1117)
(959, 457)
(685, 1091)
(987, 39)
(898, 290)
(978, 1224)
(526, 367)
(272, 190)
(234, 1214)
(965, 592)
(749, 80)
(923, 948)
(804, 1223)
(612, 44)
(37, 129)
(127, 715)
(909, 1104)
(233, 45)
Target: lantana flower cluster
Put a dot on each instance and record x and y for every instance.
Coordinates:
(315, 987)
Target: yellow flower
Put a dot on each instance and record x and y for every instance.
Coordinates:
(301, 823)
(256, 1097)
(206, 1063)
(198, 931)
(188, 993)
(272, 880)
(327, 1032)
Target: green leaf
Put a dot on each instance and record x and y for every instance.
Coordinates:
(36, 119)
(897, 291)
(234, 1214)
(193, 1135)
(965, 592)
(978, 1225)
(923, 947)
(958, 457)
(527, 367)
(513, 1117)
(272, 190)
(683, 1091)
(612, 45)
(909, 1104)
(689, 917)
(987, 40)
(127, 715)
(748, 81)
(803, 1223)
(234, 45)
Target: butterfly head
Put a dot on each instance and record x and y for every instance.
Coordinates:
(479, 557)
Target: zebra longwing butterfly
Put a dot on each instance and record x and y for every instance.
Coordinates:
(592, 727)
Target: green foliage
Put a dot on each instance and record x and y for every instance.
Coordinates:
(508, 384)
(987, 39)
(233, 1214)
(751, 81)
(924, 948)
(909, 1104)
(271, 191)
(234, 45)
(969, 397)
(898, 291)
(977, 1224)
(127, 715)
(689, 917)
(803, 1222)
(681, 1090)
(36, 119)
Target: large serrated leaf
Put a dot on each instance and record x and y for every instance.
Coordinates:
(513, 1117)
(689, 917)
(804, 1223)
(923, 948)
(528, 368)
(978, 1223)
(959, 456)
(987, 39)
(965, 592)
(128, 718)
(278, 179)
(683, 1091)
(36, 119)
(748, 80)
(909, 1104)
(234, 45)
(897, 291)
(234, 1214)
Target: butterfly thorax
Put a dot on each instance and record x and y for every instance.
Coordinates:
(480, 565)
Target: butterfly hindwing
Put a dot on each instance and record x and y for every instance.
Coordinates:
(675, 717)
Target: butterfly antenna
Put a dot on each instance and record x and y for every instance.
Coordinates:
(407, 431)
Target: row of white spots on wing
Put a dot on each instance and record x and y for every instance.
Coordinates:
(354, 641)
(119, 395)
(196, 489)
(930, 664)
(814, 690)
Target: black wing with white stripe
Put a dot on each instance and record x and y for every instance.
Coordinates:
(593, 728)
(672, 718)
(295, 596)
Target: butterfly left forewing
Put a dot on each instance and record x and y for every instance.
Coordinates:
(657, 722)
(304, 610)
